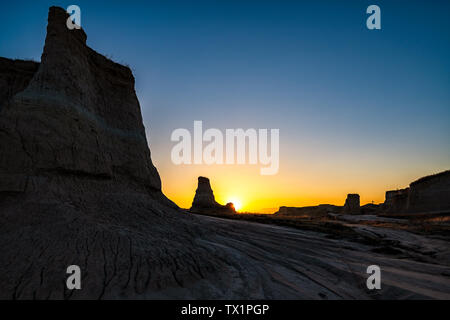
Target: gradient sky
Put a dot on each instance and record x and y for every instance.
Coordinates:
(358, 110)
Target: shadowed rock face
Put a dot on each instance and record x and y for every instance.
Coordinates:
(78, 115)
(429, 194)
(15, 75)
(396, 201)
(204, 201)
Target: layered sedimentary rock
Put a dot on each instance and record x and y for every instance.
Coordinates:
(77, 115)
(204, 201)
(430, 194)
(352, 204)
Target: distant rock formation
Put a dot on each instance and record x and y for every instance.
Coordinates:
(309, 212)
(204, 196)
(370, 208)
(230, 207)
(204, 201)
(396, 201)
(430, 194)
(351, 205)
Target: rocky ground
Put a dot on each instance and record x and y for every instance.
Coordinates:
(306, 264)
(156, 252)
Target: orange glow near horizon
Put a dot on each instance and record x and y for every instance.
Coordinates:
(251, 192)
(303, 180)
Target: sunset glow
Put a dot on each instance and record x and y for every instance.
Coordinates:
(236, 202)
(311, 180)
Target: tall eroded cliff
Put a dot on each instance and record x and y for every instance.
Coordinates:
(78, 116)
(429, 194)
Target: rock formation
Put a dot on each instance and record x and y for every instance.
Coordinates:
(230, 207)
(204, 201)
(396, 201)
(430, 194)
(309, 212)
(77, 184)
(351, 205)
(78, 115)
(204, 196)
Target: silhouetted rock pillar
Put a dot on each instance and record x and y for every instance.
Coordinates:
(204, 201)
(352, 205)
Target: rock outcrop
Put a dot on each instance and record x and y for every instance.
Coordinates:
(352, 205)
(430, 194)
(204, 201)
(204, 196)
(77, 184)
(396, 201)
(319, 211)
(76, 115)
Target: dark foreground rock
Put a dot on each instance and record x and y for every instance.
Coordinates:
(77, 186)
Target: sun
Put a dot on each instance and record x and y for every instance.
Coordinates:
(237, 203)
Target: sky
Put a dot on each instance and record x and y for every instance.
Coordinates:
(359, 111)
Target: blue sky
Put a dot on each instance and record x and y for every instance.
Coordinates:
(377, 99)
